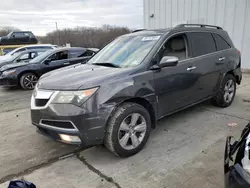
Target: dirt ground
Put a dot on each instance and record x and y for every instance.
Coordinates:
(185, 150)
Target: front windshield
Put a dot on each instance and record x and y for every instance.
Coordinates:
(41, 57)
(11, 57)
(126, 51)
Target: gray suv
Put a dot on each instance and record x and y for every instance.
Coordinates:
(120, 93)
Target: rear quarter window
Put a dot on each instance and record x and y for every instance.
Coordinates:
(202, 43)
(221, 43)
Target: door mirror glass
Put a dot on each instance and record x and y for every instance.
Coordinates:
(13, 35)
(168, 61)
(47, 61)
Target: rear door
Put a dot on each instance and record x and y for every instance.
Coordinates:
(204, 57)
(227, 57)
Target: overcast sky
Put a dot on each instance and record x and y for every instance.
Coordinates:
(40, 16)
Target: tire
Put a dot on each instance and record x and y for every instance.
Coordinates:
(220, 99)
(116, 133)
(28, 81)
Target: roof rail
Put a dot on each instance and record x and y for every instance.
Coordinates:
(198, 25)
(137, 30)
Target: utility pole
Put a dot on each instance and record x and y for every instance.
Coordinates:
(58, 35)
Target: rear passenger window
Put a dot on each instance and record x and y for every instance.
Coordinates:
(221, 44)
(202, 43)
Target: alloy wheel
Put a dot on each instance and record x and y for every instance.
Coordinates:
(229, 91)
(30, 81)
(132, 131)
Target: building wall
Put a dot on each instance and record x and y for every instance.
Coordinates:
(232, 15)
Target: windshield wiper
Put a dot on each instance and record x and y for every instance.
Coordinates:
(107, 64)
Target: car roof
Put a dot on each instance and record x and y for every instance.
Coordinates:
(35, 50)
(68, 48)
(181, 27)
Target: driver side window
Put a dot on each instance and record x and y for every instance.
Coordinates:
(24, 57)
(59, 56)
(175, 46)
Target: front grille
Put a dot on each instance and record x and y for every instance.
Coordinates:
(58, 124)
(41, 102)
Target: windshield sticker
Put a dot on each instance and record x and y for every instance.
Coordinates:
(150, 38)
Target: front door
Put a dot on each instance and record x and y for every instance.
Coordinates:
(175, 85)
(55, 61)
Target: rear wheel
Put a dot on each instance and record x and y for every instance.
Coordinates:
(128, 130)
(227, 92)
(28, 81)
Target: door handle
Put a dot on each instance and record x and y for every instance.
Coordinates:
(222, 58)
(67, 63)
(191, 68)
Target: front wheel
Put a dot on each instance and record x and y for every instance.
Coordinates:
(128, 130)
(28, 81)
(226, 95)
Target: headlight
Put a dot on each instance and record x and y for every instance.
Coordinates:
(8, 72)
(74, 97)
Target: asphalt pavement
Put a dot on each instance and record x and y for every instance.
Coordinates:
(185, 150)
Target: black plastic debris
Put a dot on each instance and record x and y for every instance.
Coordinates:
(21, 184)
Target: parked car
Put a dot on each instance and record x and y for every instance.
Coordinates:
(24, 56)
(18, 37)
(20, 48)
(26, 75)
(237, 161)
(139, 78)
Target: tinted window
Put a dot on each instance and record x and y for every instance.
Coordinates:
(87, 54)
(202, 43)
(221, 44)
(19, 34)
(59, 56)
(75, 53)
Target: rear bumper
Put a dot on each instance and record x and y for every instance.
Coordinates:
(238, 75)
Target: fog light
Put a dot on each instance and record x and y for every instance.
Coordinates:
(69, 138)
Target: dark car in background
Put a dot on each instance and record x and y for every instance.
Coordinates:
(237, 161)
(18, 37)
(24, 56)
(139, 78)
(26, 75)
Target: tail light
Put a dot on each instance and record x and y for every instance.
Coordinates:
(239, 52)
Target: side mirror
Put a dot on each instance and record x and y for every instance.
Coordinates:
(168, 61)
(13, 36)
(47, 61)
(18, 60)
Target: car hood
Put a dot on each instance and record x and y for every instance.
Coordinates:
(12, 66)
(3, 63)
(81, 76)
(4, 37)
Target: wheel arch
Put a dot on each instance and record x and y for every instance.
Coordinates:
(24, 72)
(147, 105)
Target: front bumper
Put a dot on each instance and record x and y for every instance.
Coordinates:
(87, 122)
(6, 81)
